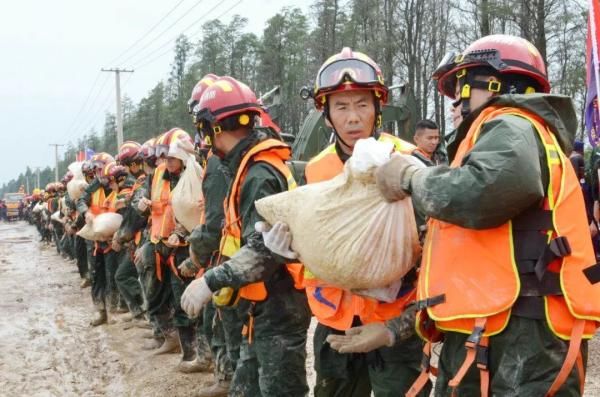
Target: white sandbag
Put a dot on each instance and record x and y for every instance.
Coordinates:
(39, 207)
(75, 187)
(87, 232)
(187, 199)
(75, 169)
(105, 225)
(55, 217)
(345, 232)
(63, 206)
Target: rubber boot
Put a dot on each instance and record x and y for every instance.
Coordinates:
(189, 361)
(99, 318)
(170, 345)
(218, 389)
(85, 282)
(152, 343)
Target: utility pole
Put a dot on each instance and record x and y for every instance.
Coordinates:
(27, 182)
(118, 72)
(37, 169)
(56, 145)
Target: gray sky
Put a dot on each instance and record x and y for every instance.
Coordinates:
(52, 52)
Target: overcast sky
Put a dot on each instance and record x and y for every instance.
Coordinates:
(52, 52)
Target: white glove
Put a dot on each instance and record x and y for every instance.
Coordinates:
(143, 204)
(195, 296)
(277, 238)
(369, 154)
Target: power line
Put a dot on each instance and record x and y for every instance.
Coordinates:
(92, 114)
(162, 32)
(83, 105)
(104, 107)
(147, 32)
(77, 125)
(186, 29)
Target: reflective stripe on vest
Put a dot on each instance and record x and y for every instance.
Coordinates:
(162, 217)
(335, 307)
(100, 203)
(485, 278)
(274, 153)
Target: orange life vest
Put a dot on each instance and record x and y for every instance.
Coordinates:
(162, 217)
(139, 182)
(274, 153)
(489, 263)
(100, 203)
(335, 307)
(475, 272)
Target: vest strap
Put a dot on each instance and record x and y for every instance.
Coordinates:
(248, 329)
(548, 285)
(426, 369)
(593, 273)
(537, 219)
(477, 352)
(428, 302)
(529, 307)
(573, 355)
(558, 248)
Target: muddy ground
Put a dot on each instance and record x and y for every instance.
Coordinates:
(48, 349)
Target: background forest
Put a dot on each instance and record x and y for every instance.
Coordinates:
(407, 38)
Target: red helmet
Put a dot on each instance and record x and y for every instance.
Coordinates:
(507, 55)
(148, 150)
(349, 71)
(225, 98)
(50, 188)
(113, 171)
(129, 152)
(99, 160)
(174, 143)
(199, 89)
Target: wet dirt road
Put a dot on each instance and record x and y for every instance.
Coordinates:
(47, 347)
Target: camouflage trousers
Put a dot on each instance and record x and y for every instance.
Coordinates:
(80, 252)
(524, 359)
(223, 329)
(164, 291)
(128, 283)
(387, 372)
(271, 367)
(103, 266)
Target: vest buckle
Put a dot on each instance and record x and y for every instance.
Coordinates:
(592, 273)
(428, 302)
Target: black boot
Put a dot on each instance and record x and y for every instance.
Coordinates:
(188, 363)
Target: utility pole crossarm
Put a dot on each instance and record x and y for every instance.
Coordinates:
(117, 72)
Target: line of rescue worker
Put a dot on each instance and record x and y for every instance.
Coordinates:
(507, 281)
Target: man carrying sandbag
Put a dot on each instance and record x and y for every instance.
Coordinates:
(223, 331)
(168, 248)
(275, 313)
(350, 91)
(74, 222)
(128, 235)
(97, 199)
(508, 223)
